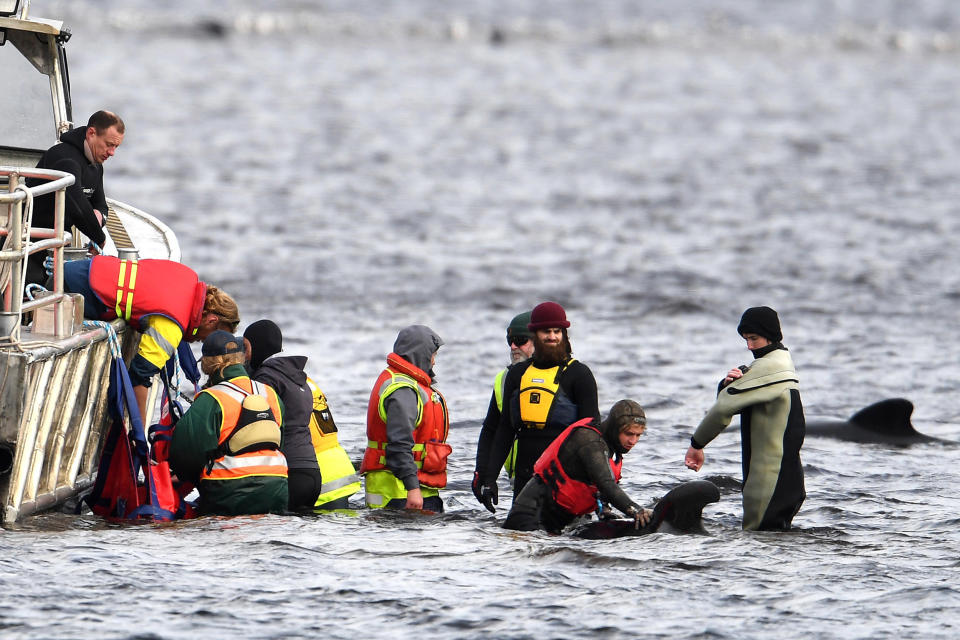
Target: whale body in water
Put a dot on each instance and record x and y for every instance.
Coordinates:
(680, 511)
(884, 422)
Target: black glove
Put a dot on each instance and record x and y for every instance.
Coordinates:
(475, 485)
(488, 496)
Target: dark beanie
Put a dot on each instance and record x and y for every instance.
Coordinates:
(265, 340)
(548, 315)
(762, 321)
(518, 326)
(625, 413)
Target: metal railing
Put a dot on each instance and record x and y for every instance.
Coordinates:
(18, 246)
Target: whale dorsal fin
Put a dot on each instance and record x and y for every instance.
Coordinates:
(890, 417)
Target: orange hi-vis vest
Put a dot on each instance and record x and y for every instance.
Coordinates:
(430, 450)
(576, 497)
(132, 289)
(262, 462)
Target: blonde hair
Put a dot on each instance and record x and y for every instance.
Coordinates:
(213, 364)
(220, 303)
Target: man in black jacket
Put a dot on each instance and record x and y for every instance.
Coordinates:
(541, 397)
(286, 374)
(81, 152)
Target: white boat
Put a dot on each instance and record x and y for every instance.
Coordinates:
(54, 371)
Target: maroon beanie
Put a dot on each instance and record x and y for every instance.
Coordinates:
(548, 315)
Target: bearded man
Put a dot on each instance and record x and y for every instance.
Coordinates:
(545, 395)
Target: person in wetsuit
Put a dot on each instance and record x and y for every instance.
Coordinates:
(546, 394)
(579, 471)
(520, 342)
(772, 426)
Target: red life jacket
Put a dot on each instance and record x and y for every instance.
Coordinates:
(132, 289)
(430, 450)
(576, 497)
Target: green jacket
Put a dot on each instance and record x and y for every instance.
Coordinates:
(198, 432)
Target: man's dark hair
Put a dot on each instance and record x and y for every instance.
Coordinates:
(103, 120)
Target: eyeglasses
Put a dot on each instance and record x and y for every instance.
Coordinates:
(517, 340)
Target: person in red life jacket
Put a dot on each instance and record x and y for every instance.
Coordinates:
(405, 462)
(579, 470)
(163, 299)
(228, 442)
(285, 374)
(520, 343)
(81, 152)
(546, 394)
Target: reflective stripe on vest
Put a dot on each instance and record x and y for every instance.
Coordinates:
(382, 446)
(266, 462)
(126, 283)
(383, 486)
(498, 383)
(398, 381)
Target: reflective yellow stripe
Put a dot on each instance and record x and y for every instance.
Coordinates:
(131, 286)
(382, 486)
(397, 381)
(120, 279)
(125, 311)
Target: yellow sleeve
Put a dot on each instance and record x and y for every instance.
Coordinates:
(159, 341)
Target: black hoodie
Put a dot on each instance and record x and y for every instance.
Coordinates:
(86, 193)
(286, 375)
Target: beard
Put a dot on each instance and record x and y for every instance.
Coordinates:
(550, 355)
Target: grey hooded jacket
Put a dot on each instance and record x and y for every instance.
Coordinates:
(416, 344)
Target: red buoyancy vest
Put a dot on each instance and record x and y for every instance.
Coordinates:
(132, 289)
(576, 497)
(264, 462)
(430, 450)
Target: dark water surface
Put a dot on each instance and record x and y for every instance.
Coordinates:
(348, 168)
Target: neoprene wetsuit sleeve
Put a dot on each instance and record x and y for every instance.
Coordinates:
(401, 408)
(506, 431)
(730, 404)
(594, 455)
(487, 431)
(584, 393)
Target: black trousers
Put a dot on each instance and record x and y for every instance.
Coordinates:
(304, 488)
(534, 508)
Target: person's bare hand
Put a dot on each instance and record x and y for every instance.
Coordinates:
(694, 459)
(414, 499)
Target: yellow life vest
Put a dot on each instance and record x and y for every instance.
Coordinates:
(538, 389)
(340, 478)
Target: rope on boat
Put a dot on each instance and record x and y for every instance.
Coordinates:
(112, 338)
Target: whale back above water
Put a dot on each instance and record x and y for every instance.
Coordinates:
(680, 511)
(884, 422)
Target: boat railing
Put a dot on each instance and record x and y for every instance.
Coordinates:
(20, 240)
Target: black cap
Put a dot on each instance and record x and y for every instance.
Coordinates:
(265, 340)
(762, 321)
(624, 413)
(221, 343)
